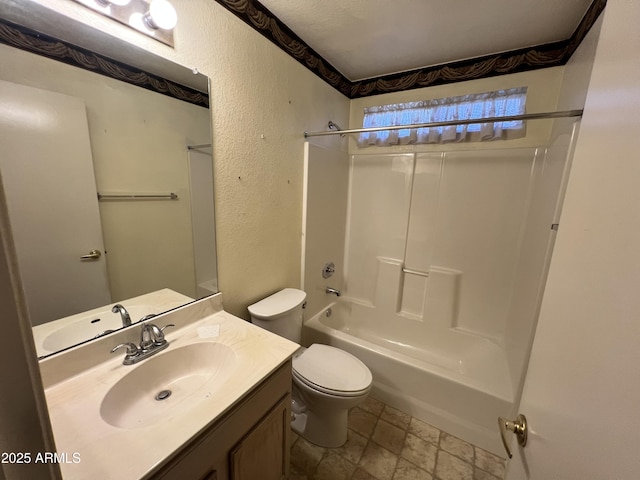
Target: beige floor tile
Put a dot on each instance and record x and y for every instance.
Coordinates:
(296, 474)
(372, 405)
(362, 474)
(377, 433)
(354, 447)
(482, 475)
(396, 417)
(305, 456)
(489, 463)
(408, 471)
(449, 467)
(419, 452)
(334, 467)
(457, 447)
(362, 422)
(424, 431)
(379, 461)
(389, 436)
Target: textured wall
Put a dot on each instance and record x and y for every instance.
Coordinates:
(262, 102)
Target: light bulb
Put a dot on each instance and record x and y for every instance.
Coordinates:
(161, 14)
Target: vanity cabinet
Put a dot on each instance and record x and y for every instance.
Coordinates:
(249, 442)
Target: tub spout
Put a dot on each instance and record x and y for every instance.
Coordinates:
(332, 291)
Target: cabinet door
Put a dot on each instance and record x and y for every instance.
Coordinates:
(264, 452)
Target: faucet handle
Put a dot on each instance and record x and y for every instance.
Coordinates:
(132, 349)
(152, 335)
(158, 333)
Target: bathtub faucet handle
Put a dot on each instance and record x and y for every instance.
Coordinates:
(332, 291)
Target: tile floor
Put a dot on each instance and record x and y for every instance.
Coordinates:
(386, 444)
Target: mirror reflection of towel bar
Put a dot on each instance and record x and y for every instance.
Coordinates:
(134, 196)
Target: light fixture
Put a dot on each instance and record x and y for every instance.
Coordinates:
(161, 14)
(155, 18)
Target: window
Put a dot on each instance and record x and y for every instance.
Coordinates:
(481, 105)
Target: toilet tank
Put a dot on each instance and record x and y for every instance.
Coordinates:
(280, 313)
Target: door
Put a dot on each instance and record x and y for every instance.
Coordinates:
(582, 392)
(47, 170)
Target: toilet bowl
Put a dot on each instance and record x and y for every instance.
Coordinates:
(327, 381)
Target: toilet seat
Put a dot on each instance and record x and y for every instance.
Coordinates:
(332, 371)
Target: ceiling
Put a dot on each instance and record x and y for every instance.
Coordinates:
(373, 38)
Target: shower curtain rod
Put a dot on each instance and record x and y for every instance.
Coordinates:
(526, 116)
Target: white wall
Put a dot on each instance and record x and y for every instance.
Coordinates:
(262, 102)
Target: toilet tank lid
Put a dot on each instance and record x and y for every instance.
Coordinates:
(277, 304)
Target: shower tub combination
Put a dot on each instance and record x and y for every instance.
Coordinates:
(456, 381)
(444, 259)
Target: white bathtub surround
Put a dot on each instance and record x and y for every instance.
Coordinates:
(324, 221)
(379, 201)
(457, 216)
(444, 252)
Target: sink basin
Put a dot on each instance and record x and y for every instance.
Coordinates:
(168, 384)
(90, 326)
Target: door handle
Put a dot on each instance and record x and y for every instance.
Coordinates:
(517, 426)
(92, 255)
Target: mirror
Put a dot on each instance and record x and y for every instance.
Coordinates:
(109, 185)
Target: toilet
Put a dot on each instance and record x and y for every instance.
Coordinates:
(327, 381)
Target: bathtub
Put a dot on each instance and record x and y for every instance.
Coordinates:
(456, 381)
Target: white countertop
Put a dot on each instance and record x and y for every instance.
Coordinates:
(105, 451)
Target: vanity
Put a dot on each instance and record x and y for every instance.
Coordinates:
(215, 404)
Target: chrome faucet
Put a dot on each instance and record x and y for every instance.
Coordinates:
(126, 319)
(151, 336)
(332, 291)
(151, 342)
